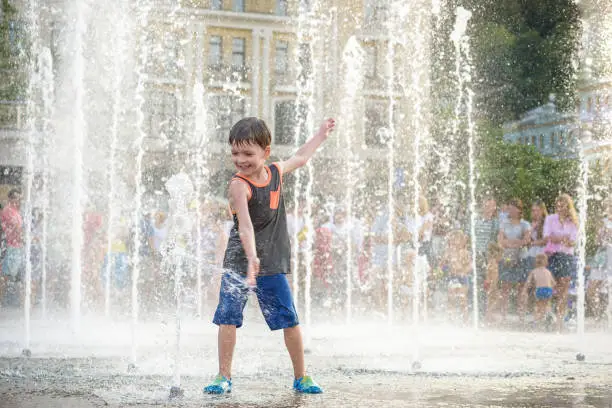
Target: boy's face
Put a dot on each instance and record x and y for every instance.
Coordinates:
(249, 157)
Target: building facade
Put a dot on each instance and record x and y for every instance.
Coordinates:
(275, 59)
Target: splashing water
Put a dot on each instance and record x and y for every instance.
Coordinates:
(352, 59)
(464, 103)
(144, 7)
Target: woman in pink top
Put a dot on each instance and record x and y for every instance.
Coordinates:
(560, 232)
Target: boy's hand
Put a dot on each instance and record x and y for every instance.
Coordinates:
(327, 127)
(252, 272)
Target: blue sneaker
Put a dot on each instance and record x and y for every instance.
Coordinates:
(306, 385)
(220, 385)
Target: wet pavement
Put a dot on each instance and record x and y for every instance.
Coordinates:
(342, 390)
(364, 365)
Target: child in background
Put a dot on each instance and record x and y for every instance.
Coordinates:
(544, 283)
(491, 284)
(458, 262)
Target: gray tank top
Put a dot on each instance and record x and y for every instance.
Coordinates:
(267, 211)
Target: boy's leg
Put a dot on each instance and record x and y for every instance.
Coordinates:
(232, 299)
(540, 309)
(276, 302)
(226, 343)
(295, 347)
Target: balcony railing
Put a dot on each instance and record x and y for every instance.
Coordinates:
(12, 115)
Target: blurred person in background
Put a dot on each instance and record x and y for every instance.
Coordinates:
(560, 232)
(13, 261)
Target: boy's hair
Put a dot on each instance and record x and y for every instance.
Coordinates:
(541, 260)
(250, 130)
(494, 250)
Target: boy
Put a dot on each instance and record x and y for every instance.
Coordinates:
(544, 283)
(259, 248)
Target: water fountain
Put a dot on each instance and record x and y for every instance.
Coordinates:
(201, 172)
(79, 131)
(582, 207)
(144, 8)
(405, 142)
(112, 197)
(181, 192)
(307, 35)
(45, 64)
(465, 104)
(352, 61)
(34, 84)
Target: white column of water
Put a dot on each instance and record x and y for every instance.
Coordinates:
(45, 63)
(582, 241)
(415, 44)
(181, 192)
(33, 87)
(201, 168)
(352, 62)
(389, 140)
(143, 7)
(119, 50)
(465, 102)
(79, 130)
(305, 97)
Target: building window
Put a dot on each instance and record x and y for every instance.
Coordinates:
(238, 52)
(282, 8)
(216, 4)
(589, 104)
(170, 53)
(305, 6)
(376, 118)
(375, 12)
(533, 140)
(229, 109)
(215, 50)
(561, 139)
(305, 60)
(553, 136)
(285, 122)
(238, 5)
(162, 114)
(281, 63)
(371, 62)
(541, 141)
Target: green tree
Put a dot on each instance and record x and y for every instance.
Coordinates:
(13, 54)
(517, 170)
(523, 52)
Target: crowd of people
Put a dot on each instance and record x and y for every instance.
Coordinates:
(522, 265)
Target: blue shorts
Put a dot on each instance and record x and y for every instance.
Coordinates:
(543, 293)
(274, 297)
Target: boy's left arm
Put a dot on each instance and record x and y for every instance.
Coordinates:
(304, 153)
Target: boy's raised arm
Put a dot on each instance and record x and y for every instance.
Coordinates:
(304, 153)
(239, 194)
